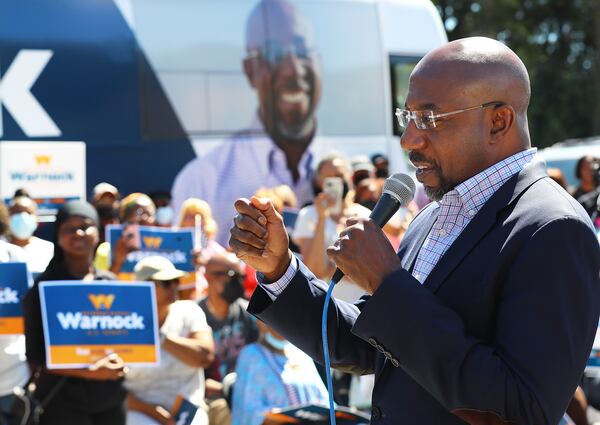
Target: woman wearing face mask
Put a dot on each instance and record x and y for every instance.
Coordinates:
(23, 222)
(273, 373)
(164, 211)
(186, 348)
(93, 395)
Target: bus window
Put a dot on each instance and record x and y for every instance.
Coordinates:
(400, 68)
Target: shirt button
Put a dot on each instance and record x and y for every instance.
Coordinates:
(442, 232)
(375, 413)
(471, 213)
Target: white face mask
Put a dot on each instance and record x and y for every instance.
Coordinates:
(164, 215)
(22, 225)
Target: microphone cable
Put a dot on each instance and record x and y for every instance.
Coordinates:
(326, 351)
(398, 190)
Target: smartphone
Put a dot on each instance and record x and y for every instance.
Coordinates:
(334, 188)
(131, 234)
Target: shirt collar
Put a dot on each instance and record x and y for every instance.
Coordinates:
(275, 159)
(477, 190)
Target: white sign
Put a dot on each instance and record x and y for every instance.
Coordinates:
(47, 170)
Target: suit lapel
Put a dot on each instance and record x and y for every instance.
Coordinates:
(416, 235)
(483, 221)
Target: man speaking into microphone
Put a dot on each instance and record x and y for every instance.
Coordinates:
(488, 312)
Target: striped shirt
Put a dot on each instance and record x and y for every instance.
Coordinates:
(240, 166)
(458, 207)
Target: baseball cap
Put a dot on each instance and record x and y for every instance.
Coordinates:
(102, 188)
(361, 163)
(156, 267)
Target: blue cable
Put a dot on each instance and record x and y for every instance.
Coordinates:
(326, 352)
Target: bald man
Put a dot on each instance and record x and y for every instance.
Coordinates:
(282, 66)
(487, 313)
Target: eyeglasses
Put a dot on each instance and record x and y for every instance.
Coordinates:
(426, 120)
(72, 230)
(225, 273)
(274, 51)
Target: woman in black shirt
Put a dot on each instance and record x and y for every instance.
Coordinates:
(93, 396)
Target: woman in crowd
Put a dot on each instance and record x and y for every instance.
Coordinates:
(23, 222)
(186, 348)
(586, 173)
(318, 225)
(94, 395)
(273, 373)
(136, 209)
(206, 247)
(190, 209)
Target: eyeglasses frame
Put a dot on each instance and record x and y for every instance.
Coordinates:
(412, 114)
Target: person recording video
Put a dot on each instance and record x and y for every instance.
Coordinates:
(488, 312)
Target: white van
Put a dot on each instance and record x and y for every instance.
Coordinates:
(150, 84)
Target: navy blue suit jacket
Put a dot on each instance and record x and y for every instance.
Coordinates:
(498, 333)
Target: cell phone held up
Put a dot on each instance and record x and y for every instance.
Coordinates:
(333, 187)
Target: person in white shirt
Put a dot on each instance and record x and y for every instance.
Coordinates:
(13, 367)
(186, 348)
(318, 225)
(23, 222)
(283, 67)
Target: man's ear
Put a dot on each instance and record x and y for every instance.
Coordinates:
(503, 119)
(248, 64)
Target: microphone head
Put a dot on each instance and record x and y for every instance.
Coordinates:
(401, 187)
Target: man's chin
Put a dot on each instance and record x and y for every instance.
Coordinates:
(434, 193)
(300, 131)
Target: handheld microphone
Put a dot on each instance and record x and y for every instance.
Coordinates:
(398, 191)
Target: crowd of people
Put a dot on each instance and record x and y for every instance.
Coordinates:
(213, 353)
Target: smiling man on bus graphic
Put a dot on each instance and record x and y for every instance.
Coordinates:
(283, 68)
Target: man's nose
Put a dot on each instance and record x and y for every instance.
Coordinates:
(412, 138)
(292, 66)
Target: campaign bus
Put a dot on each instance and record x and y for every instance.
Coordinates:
(150, 86)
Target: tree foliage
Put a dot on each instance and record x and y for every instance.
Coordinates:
(559, 42)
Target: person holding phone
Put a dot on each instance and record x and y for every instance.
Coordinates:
(319, 224)
(137, 209)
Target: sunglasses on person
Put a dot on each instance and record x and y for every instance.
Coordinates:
(427, 120)
(225, 273)
(72, 230)
(274, 52)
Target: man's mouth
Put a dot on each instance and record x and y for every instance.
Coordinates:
(294, 97)
(423, 168)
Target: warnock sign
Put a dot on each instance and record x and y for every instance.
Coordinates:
(85, 321)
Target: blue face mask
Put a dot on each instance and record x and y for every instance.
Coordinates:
(278, 344)
(22, 225)
(164, 215)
